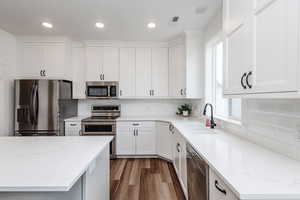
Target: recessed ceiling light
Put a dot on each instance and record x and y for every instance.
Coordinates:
(99, 25)
(47, 25)
(151, 25)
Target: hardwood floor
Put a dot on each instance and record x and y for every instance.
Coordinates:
(144, 179)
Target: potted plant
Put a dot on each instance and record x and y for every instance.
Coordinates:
(184, 110)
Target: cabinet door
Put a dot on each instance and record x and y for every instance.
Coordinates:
(217, 188)
(33, 61)
(160, 72)
(127, 72)
(177, 71)
(235, 13)
(125, 141)
(183, 166)
(238, 59)
(164, 141)
(54, 59)
(176, 153)
(143, 72)
(93, 63)
(276, 58)
(111, 63)
(78, 66)
(72, 128)
(146, 140)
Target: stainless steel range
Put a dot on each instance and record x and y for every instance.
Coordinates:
(102, 123)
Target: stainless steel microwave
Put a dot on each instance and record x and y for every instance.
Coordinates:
(102, 90)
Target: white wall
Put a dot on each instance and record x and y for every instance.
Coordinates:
(138, 107)
(7, 70)
(274, 124)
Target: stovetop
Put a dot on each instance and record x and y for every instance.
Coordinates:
(100, 118)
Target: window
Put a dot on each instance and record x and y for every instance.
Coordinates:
(225, 108)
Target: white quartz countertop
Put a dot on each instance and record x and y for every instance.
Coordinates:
(46, 163)
(76, 118)
(251, 171)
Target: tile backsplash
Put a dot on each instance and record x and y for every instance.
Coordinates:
(138, 107)
(272, 123)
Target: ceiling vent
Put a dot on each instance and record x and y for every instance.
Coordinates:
(175, 19)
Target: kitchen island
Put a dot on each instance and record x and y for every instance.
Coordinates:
(54, 168)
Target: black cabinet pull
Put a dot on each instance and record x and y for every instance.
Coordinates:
(242, 81)
(247, 79)
(178, 147)
(220, 189)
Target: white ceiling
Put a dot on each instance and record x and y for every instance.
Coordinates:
(123, 19)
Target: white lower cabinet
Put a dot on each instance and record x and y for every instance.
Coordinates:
(218, 190)
(73, 128)
(164, 140)
(179, 161)
(136, 138)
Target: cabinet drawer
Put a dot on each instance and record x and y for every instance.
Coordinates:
(141, 125)
(218, 190)
(73, 125)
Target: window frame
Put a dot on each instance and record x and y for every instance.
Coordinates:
(210, 60)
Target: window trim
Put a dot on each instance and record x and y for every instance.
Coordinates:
(210, 60)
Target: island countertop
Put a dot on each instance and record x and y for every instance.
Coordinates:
(46, 163)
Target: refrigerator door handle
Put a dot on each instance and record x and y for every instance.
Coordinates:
(35, 102)
(31, 106)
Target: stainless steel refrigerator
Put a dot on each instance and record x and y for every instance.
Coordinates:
(41, 107)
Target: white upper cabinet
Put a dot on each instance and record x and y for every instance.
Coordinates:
(160, 70)
(235, 14)
(94, 63)
(78, 65)
(276, 47)
(45, 60)
(54, 60)
(238, 58)
(33, 61)
(186, 67)
(143, 72)
(177, 71)
(261, 53)
(110, 66)
(102, 64)
(127, 72)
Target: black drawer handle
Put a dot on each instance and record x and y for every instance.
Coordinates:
(242, 81)
(247, 79)
(218, 188)
(135, 124)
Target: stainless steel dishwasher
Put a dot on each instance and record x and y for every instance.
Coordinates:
(197, 175)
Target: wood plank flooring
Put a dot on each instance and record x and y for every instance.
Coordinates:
(144, 179)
